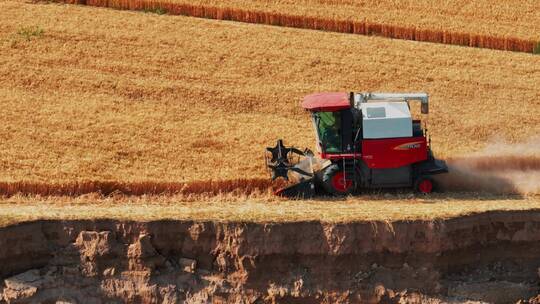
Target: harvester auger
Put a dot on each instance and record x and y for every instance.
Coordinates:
(364, 140)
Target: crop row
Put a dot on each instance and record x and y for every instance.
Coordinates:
(240, 187)
(325, 24)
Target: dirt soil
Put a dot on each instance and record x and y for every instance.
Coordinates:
(488, 257)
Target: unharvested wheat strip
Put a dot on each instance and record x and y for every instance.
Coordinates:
(239, 186)
(516, 18)
(333, 25)
(500, 163)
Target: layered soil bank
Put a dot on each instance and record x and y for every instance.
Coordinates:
(491, 257)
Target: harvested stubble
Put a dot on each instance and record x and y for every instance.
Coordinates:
(137, 98)
(333, 24)
(257, 209)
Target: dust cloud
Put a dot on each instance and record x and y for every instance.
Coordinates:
(500, 168)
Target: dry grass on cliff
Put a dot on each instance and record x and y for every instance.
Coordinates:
(496, 18)
(105, 95)
(231, 208)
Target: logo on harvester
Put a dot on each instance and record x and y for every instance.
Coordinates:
(409, 146)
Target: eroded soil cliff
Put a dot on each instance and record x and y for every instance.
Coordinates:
(491, 257)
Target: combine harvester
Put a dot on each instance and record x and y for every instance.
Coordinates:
(365, 140)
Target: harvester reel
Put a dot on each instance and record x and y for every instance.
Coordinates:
(280, 161)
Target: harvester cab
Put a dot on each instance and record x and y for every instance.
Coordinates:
(364, 140)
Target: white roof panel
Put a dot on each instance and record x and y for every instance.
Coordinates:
(386, 119)
(398, 109)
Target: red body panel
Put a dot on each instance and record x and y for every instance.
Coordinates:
(393, 152)
(326, 102)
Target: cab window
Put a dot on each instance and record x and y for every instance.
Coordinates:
(329, 130)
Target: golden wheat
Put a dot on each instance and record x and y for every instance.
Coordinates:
(511, 18)
(125, 98)
(326, 24)
(393, 207)
(239, 187)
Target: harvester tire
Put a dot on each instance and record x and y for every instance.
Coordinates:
(334, 181)
(424, 185)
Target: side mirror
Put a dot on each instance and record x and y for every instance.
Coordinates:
(424, 107)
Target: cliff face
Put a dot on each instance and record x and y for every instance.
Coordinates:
(491, 257)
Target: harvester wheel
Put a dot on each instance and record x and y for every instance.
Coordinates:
(334, 181)
(424, 185)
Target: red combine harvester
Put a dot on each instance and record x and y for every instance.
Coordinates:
(365, 140)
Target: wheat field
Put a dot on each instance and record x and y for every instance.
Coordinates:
(114, 96)
(232, 208)
(281, 16)
(493, 18)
